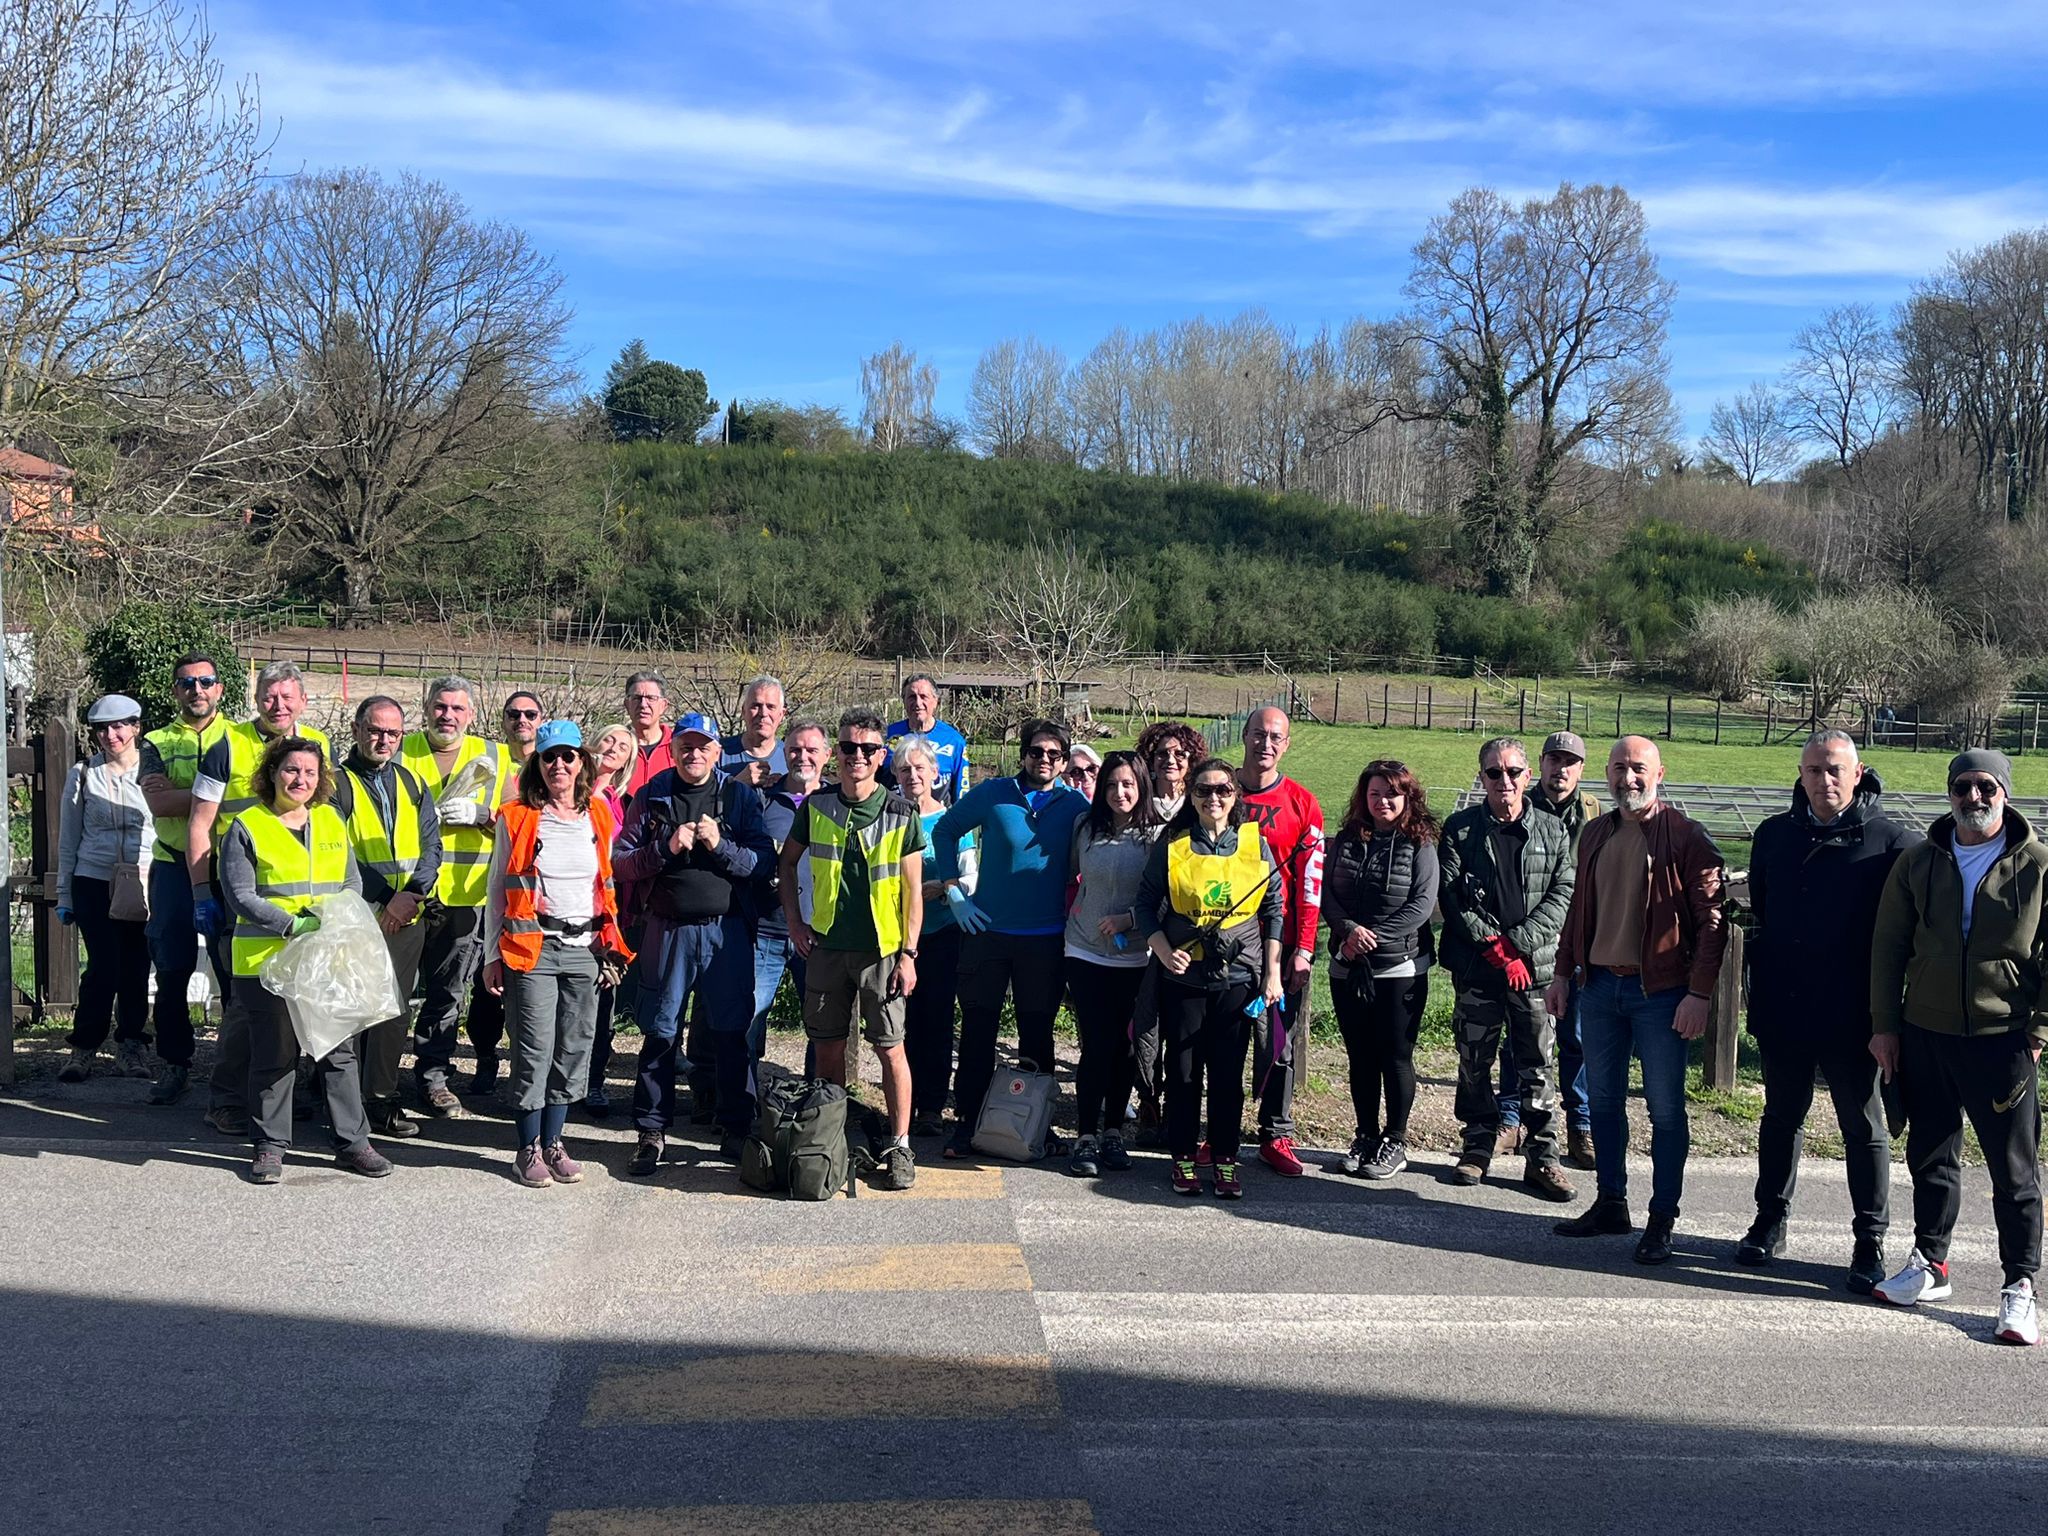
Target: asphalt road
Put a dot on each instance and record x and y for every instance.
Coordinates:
(996, 1351)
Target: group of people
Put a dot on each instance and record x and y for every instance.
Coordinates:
(531, 887)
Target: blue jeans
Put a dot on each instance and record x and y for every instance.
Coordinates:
(1571, 1075)
(773, 955)
(715, 959)
(1615, 1018)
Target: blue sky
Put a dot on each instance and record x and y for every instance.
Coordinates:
(770, 191)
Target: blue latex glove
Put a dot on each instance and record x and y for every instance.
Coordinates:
(1256, 1008)
(970, 917)
(64, 916)
(305, 922)
(209, 917)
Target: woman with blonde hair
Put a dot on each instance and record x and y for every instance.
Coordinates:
(617, 753)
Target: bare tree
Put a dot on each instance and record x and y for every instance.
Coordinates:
(1838, 386)
(1056, 617)
(1014, 401)
(1752, 435)
(420, 346)
(1870, 644)
(896, 393)
(1545, 325)
(1730, 644)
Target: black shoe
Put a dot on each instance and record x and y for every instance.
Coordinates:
(397, 1124)
(1763, 1242)
(927, 1124)
(485, 1078)
(597, 1103)
(1866, 1267)
(170, 1084)
(1607, 1216)
(705, 1113)
(228, 1120)
(646, 1156)
(1654, 1247)
(1111, 1154)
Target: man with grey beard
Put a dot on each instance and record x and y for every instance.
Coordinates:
(1643, 942)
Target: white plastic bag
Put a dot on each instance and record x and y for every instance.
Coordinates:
(338, 979)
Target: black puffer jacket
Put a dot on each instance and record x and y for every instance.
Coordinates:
(1385, 883)
(1814, 892)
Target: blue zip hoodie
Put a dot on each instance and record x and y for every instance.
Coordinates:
(1026, 855)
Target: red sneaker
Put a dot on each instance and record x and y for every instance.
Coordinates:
(1203, 1157)
(1185, 1180)
(1227, 1187)
(1278, 1155)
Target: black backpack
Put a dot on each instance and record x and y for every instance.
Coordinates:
(799, 1144)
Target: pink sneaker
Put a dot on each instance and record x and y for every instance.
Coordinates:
(564, 1168)
(1278, 1155)
(531, 1168)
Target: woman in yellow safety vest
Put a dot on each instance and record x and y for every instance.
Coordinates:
(1209, 908)
(285, 855)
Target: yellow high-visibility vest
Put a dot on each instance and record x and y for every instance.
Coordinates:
(465, 851)
(291, 874)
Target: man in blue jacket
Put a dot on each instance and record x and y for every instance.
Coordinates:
(1013, 923)
(692, 840)
(921, 718)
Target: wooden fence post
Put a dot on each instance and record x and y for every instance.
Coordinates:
(1770, 711)
(56, 946)
(1667, 717)
(1717, 722)
(1522, 715)
(1336, 700)
(1567, 709)
(1386, 705)
(1429, 720)
(1724, 1028)
(1475, 708)
(1617, 712)
(1536, 692)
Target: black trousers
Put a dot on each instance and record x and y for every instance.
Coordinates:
(1025, 968)
(114, 991)
(1103, 997)
(1207, 1035)
(1993, 1080)
(1379, 1041)
(382, 1046)
(454, 949)
(1483, 1012)
(1148, 1047)
(274, 1071)
(928, 1019)
(1851, 1073)
(485, 1022)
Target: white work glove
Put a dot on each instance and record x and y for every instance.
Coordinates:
(462, 813)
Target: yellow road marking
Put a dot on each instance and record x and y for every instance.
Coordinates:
(883, 1517)
(824, 1386)
(898, 1267)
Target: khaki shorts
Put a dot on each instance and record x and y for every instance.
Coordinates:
(836, 981)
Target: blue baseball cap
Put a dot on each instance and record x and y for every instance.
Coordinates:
(695, 724)
(558, 733)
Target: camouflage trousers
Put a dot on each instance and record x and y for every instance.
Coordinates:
(1482, 1016)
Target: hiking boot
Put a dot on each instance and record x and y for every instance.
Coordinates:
(1578, 1149)
(1654, 1246)
(267, 1166)
(646, 1155)
(170, 1084)
(1204, 1158)
(1866, 1266)
(530, 1168)
(597, 1103)
(1470, 1169)
(1546, 1181)
(77, 1067)
(395, 1123)
(1111, 1155)
(1186, 1181)
(1082, 1164)
(131, 1059)
(927, 1125)
(439, 1101)
(1921, 1280)
(562, 1168)
(1388, 1159)
(1362, 1149)
(1508, 1140)
(2019, 1321)
(1227, 1187)
(1763, 1242)
(228, 1120)
(365, 1159)
(485, 1079)
(896, 1170)
(1607, 1216)
(1279, 1155)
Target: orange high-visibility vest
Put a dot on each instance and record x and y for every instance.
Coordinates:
(519, 940)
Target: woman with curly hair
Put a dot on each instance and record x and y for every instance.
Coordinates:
(1379, 887)
(1169, 748)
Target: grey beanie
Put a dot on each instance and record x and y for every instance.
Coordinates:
(1993, 765)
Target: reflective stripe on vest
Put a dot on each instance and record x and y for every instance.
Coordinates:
(294, 875)
(246, 745)
(882, 843)
(1203, 887)
(394, 857)
(179, 747)
(465, 851)
(519, 935)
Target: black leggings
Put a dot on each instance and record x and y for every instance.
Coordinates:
(1103, 997)
(1207, 1035)
(1379, 1037)
(115, 988)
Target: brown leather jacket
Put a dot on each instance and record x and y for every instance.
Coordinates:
(1684, 931)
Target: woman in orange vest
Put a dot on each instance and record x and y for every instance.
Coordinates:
(550, 922)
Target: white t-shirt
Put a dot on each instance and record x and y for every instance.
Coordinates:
(565, 861)
(1975, 863)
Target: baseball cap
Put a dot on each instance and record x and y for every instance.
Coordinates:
(558, 733)
(697, 724)
(1565, 742)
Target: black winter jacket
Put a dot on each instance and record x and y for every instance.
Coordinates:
(1385, 883)
(1814, 892)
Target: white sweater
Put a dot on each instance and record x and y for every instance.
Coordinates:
(105, 822)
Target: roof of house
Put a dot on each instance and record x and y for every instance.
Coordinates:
(16, 465)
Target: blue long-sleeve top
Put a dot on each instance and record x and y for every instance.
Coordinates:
(1026, 854)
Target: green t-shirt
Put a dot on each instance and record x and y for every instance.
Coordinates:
(853, 925)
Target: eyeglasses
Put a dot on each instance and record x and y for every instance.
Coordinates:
(522, 714)
(195, 682)
(1280, 736)
(1214, 791)
(1984, 789)
(383, 733)
(1495, 775)
(861, 748)
(1055, 753)
(555, 755)
(1179, 752)
(643, 698)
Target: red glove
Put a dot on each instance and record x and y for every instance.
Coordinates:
(1503, 957)
(1497, 952)
(1517, 972)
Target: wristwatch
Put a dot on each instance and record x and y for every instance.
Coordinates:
(911, 953)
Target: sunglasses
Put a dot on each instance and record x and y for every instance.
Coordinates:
(1214, 791)
(1495, 775)
(1180, 752)
(861, 748)
(195, 682)
(522, 714)
(556, 755)
(1984, 789)
(1054, 753)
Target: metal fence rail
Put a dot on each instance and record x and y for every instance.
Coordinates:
(1735, 812)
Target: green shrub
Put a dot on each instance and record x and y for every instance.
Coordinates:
(134, 651)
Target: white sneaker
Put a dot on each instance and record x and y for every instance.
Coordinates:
(2018, 1322)
(1919, 1281)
